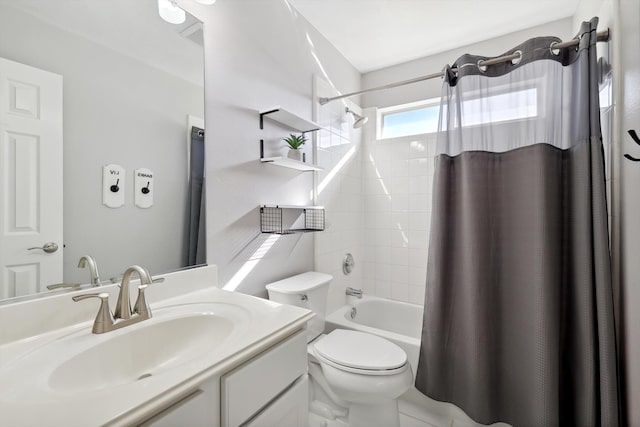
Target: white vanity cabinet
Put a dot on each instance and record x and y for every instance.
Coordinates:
(270, 389)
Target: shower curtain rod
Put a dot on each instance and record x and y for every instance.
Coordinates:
(603, 36)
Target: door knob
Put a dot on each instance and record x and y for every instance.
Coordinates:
(49, 247)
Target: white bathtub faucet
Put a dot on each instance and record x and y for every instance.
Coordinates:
(354, 292)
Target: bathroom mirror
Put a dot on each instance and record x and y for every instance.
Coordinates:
(132, 87)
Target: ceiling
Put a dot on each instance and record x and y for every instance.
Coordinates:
(130, 27)
(374, 34)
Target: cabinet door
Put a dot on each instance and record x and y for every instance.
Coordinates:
(291, 409)
(199, 409)
(253, 385)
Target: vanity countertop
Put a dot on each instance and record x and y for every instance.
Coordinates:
(28, 395)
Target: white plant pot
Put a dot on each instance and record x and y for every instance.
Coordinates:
(295, 154)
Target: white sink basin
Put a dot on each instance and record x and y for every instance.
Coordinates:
(175, 337)
(149, 349)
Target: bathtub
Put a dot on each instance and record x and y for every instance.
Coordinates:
(399, 322)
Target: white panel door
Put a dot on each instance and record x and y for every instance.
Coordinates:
(30, 178)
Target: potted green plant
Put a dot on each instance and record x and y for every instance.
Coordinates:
(294, 142)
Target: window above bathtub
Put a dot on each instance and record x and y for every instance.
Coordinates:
(408, 119)
(501, 105)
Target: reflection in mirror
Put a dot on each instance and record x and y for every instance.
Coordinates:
(85, 85)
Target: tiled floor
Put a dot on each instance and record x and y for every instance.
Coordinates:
(407, 421)
(318, 421)
(416, 410)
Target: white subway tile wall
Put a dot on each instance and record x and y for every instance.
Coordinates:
(397, 176)
(377, 199)
(339, 189)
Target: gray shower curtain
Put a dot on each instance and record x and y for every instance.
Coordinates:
(196, 238)
(518, 321)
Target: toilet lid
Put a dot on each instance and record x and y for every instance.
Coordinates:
(360, 350)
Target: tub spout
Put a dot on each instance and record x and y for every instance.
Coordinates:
(354, 292)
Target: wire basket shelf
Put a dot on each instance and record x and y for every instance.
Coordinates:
(291, 219)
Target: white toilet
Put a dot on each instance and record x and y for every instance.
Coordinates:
(361, 372)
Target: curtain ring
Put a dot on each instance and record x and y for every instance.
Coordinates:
(517, 60)
(554, 52)
(482, 68)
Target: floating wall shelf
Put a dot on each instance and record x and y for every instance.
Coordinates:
(283, 219)
(288, 119)
(291, 164)
(294, 122)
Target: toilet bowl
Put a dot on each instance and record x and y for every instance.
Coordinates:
(363, 372)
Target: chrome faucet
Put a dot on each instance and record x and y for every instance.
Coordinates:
(123, 306)
(106, 321)
(354, 292)
(93, 268)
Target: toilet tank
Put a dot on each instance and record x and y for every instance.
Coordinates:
(308, 290)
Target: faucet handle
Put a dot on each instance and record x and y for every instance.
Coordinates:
(55, 286)
(104, 319)
(142, 307)
(103, 296)
(118, 279)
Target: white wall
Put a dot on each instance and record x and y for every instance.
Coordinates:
(587, 9)
(116, 110)
(629, 108)
(432, 64)
(258, 54)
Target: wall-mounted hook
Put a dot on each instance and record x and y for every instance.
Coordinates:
(114, 188)
(636, 139)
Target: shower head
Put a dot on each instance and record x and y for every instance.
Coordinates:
(359, 120)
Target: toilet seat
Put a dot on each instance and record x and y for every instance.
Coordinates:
(360, 352)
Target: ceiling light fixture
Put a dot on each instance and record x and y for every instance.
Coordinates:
(170, 12)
